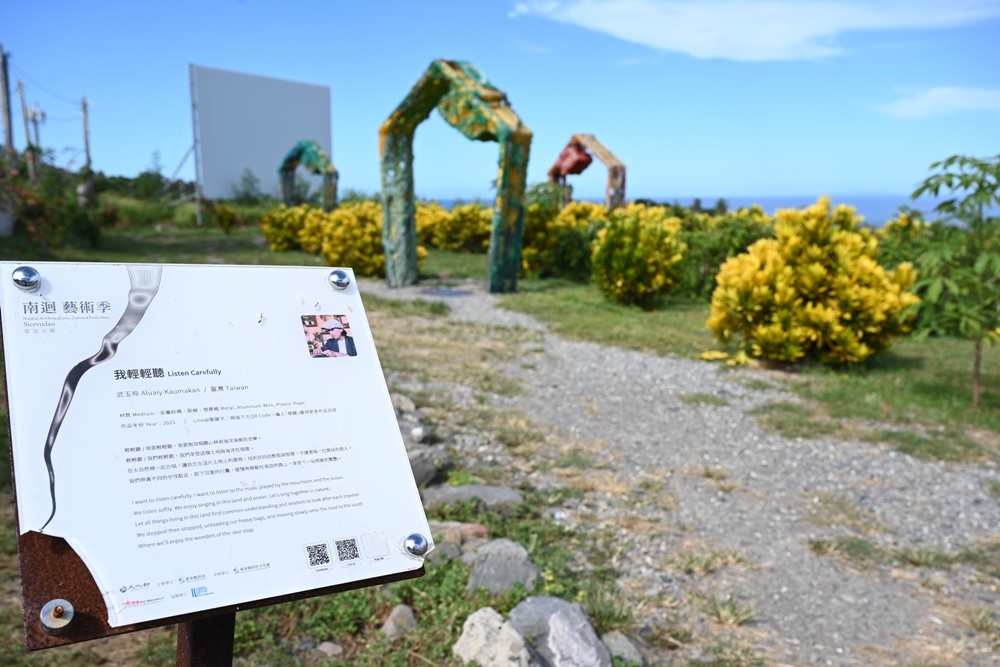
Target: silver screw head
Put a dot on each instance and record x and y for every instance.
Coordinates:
(27, 278)
(416, 544)
(56, 616)
(339, 279)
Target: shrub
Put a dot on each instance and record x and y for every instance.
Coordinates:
(466, 229)
(315, 228)
(637, 255)
(559, 243)
(281, 227)
(353, 237)
(225, 216)
(429, 218)
(816, 291)
(47, 211)
(712, 240)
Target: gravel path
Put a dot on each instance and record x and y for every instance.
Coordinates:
(694, 480)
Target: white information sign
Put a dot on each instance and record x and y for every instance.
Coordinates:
(204, 436)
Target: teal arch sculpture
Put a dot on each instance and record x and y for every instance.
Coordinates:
(313, 158)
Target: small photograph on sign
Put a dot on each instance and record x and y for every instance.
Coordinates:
(328, 336)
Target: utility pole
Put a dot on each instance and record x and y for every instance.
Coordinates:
(37, 115)
(8, 128)
(86, 132)
(32, 173)
(86, 192)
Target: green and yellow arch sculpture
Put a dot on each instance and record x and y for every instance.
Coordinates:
(313, 158)
(468, 102)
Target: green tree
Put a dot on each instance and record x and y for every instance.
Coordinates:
(149, 184)
(960, 275)
(248, 191)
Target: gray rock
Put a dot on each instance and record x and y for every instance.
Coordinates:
(492, 642)
(330, 649)
(403, 404)
(400, 621)
(425, 462)
(560, 633)
(453, 539)
(620, 646)
(494, 497)
(499, 565)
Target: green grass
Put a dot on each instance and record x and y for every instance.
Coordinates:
(454, 266)
(701, 398)
(791, 420)
(581, 312)
(927, 381)
(984, 557)
(854, 549)
(406, 307)
(728, 610)
(944, 445)
(705, 563)
(728, 653)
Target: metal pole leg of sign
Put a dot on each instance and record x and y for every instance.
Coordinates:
(207, 642)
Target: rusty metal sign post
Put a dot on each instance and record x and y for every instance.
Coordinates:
(192, 441)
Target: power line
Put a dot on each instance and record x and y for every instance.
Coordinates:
(63, 119)
(43, 88)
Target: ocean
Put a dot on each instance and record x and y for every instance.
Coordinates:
(876, 209)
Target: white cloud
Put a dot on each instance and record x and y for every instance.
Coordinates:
(942, 102)
(753, 30)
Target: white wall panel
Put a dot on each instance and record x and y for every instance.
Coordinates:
(249, 121)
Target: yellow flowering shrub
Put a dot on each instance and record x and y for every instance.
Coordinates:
(466, 229)
(350, 235)
(353, 237)
(817, 290)
(281, 227)
(429, 217)
(637, 254)
(559, 245)
(314, 230)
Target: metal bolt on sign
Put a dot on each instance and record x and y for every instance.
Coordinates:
(339, 279)
(416, 545)
(27, 278)
(56, 616)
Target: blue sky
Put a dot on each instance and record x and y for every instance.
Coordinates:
(700, 98)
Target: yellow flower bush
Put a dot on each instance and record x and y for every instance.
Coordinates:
(816, 290)
(281, 227)
(314, 230)
(637, 255)
(467, 228)
(429, 217)
(352, 237)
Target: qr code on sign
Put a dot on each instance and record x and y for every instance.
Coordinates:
(347, 549)
(319, 554)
